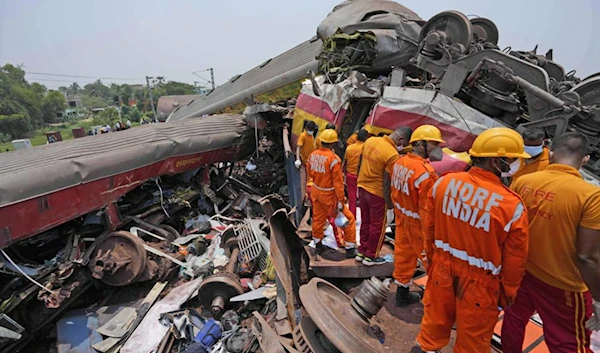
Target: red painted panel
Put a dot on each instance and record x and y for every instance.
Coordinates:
(27, 218)
(456, 139)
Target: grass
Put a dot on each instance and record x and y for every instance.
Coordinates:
(38, 137)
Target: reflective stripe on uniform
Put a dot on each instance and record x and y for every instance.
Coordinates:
(473, 261)
(407, 212)
(334, 162)
(421, 179)
(435, 186)
(323, 189)
(518, 213)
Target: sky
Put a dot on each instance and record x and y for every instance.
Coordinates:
(132, 39)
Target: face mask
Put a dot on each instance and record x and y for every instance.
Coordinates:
(310, 132)
(514, 166)
(534, 151)
(436, 155)
(504, 170)
(399, 148)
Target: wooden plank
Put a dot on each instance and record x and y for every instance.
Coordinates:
(116, 327)
(335, 265)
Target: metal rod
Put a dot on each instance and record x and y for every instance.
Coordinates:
(233, 260)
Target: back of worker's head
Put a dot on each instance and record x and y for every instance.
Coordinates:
(330, 126)
(533, 136)
(362, 135)
(570, 149)
(401, 136)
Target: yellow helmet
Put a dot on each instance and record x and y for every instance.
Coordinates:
(426, 133)
(499, 142)
(329, 136)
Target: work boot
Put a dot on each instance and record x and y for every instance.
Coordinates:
(319, 248)
(351, 253)
(405, 297)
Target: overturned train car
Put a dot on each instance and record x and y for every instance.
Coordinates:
(64, 208)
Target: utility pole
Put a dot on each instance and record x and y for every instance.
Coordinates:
(212, 76)
(148, 78)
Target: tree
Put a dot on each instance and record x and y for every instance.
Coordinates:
(125, 93)
(98, 89)
(74, 88)
(54, 102)
(92, 102)
(178, 88)
(14, 125)
(18, 97)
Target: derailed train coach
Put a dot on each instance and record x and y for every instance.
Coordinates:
(392, 69)
(64, 206)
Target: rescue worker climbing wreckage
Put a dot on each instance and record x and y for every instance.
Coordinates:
(305, 146)
(327, 195)
(476, 237)
(412, 178)
(563, 265)
(375, 166)
(534, 145)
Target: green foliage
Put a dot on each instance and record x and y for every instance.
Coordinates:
(14, 125)
(92, 102)
(176, 88)
(133, 115)
(18, 97)
(107, 117)
(4, 138)
(53, 103)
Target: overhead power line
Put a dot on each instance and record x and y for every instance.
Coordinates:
(67, 81)
(80, 76)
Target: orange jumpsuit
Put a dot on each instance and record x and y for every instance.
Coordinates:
(477, 230)
(412, 178)
(325, 169)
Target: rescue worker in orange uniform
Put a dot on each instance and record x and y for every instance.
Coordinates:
(337, 233)
(534, 146)
(476, 237)
(563, 266)
(350, 168)
(327, 194)
(375, 166)
(412, 178)
(304, 147)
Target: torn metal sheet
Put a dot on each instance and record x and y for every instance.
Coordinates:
(266, 292)
(267, 337)
(140, 340)
(287, 254)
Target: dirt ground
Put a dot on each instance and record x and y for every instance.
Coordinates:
(401, 326)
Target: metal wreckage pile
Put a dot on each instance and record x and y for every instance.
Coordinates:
(205, 261)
